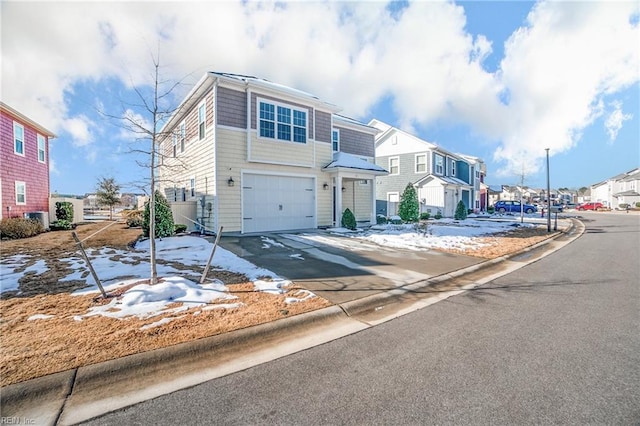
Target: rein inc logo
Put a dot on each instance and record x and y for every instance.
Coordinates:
(17, 421)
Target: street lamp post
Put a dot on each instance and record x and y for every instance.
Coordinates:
(548, 195)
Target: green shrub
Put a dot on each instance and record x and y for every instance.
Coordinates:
(178, 228)
(491, 210)
(381, 220)
(61, 225)
(349, 220)
(438, 215)
(164, 225)
(409, 207)
(638, 204)
(461, 211)
(16, 227)
(64, 211)
(425, 216)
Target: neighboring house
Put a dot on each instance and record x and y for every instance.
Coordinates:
(628, 189)
(621, 189)
(441, 178)
(256, 156)
(24, 179)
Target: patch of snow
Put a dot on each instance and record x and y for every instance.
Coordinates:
(299, 296)
(39, 317)
(296, 256)
(272, 287)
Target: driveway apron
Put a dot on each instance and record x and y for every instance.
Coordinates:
(340, 268)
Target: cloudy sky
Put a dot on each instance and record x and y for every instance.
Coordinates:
(498, 80)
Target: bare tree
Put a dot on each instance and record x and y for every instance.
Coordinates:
(144, 120)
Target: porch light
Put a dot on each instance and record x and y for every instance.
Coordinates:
(230, 181)
(344, 189)
(325, 186)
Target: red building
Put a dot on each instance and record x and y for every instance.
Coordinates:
(24, 164)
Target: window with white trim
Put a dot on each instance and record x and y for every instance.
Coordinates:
(453, 168)
(421, 163)
(202, 113)
(42, 149)
(394, 165)
(183, 135)
(282, 122)
(192, 187)
(21, 193)
(439, 164)
(335, 140)
(18, 138)
(174, 140)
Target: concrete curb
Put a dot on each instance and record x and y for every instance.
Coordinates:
(45, 397)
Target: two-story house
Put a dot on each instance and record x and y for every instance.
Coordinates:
(441, 178)
(256, 156)
(620, 189)
(24, 176)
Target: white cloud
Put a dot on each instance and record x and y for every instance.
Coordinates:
(614, 121)
(555, 73)
(558, 70)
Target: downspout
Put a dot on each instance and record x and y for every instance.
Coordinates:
(215, 157)
(248, 121)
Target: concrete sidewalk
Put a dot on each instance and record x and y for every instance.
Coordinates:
(367, 287)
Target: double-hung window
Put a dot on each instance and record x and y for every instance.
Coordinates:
(42, 156)
(453, 168)
(202, 112)
(192, 187)
(335, 140)
(183, 136)
(282, 122)
(421, 163)
(439, 164)
(174, 143)
(18, 139)
(394, 165)
(21, 193)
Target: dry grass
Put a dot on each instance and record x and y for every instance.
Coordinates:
(33, 348)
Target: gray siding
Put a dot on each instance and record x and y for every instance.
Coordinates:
(254, 117)
(356, 143)
(397, 183)
(232, 108)
(323, 127)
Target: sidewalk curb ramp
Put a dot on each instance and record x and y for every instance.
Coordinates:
(80, 394)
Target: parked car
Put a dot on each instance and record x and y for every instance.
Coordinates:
(514, 207)
(590, 206)
(570, 206)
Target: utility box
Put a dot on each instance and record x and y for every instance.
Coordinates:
(42, 217)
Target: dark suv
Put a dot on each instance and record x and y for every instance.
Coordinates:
(514, 207)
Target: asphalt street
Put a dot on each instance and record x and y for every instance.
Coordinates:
(555, 342)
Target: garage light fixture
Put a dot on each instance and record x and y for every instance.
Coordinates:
(230, 181)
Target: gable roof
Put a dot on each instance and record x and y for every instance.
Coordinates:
(43, 131)
(444, 179)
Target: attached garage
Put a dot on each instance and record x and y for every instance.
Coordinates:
(277, 203)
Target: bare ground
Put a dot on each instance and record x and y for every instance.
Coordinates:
(37, 347)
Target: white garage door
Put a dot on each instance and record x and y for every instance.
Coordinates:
(276, 203)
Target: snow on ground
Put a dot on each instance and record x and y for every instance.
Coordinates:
(121, 269)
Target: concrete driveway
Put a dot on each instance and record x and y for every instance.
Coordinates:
(340, 268)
